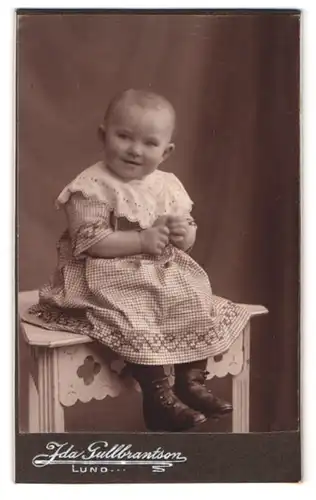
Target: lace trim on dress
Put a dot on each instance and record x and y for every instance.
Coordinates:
(141, 201)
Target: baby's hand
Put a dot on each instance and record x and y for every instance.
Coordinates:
(161, 221)
(154, 239)
(178, 227)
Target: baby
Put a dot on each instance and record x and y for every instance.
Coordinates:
(124, 275)
(136, 134)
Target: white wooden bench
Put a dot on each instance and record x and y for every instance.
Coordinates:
(63, 368)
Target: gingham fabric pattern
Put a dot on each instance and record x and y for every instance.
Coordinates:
(150, 310)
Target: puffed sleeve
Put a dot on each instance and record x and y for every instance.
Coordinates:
(89, 221)
(181, 203)
(177, 198)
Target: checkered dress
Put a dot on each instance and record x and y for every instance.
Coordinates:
(148, 309)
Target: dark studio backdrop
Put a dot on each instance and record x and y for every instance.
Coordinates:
(234, 81)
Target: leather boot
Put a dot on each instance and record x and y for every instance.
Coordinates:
(190, 379)
(162, 410)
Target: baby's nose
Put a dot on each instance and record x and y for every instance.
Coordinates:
(135, 149)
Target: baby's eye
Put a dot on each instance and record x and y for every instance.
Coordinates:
(151, 143)
(122, 135)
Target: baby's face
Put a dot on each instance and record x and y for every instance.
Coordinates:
(137, 140)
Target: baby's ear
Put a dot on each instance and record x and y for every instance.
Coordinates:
(101, 132)
(169, 150)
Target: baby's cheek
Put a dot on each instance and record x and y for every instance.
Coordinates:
(156, 158)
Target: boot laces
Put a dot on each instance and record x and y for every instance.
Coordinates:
(205, 373)
(201, 378)
(165, 391)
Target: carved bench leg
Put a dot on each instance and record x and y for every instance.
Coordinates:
(27, 389)
(51, 412)
(33, 402)
(241, 383)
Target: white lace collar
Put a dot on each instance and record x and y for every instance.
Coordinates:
(141, 201)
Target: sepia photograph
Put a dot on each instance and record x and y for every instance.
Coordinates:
(158, 222)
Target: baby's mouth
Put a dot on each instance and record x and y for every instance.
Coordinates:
(132, 162)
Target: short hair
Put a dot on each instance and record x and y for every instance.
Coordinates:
(143, 98)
